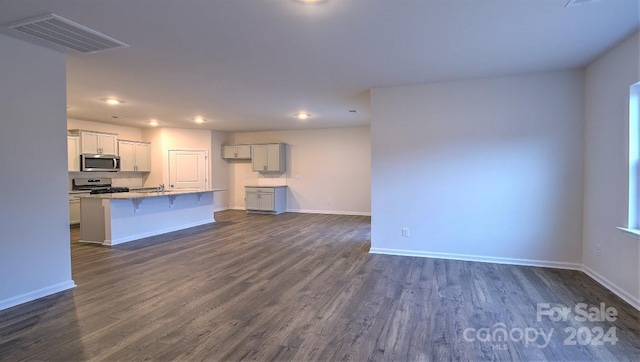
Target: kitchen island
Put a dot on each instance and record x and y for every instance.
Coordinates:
(111, 219)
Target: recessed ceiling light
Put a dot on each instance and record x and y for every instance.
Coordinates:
(303, 115)
(112, 101)
(154, 123)
(199, 120)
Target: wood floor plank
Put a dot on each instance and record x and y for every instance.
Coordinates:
(299, 287)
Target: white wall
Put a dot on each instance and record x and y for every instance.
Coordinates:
(220, 170)
(485, 169)
(328, 170)
(35, 258)
(610, 255)
(156, 176)
(165, 139)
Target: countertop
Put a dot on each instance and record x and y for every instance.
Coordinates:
(146, 194)
(265, 186)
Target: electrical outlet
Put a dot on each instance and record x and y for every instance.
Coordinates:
(405, 232)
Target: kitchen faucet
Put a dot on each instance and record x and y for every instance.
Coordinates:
(161, 187)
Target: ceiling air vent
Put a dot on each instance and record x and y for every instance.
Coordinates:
(579, 2)
(54, 29)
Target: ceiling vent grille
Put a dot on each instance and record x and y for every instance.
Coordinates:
(579, 2)
(56, 30)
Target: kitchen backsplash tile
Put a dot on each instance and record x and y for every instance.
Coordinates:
(272, 180)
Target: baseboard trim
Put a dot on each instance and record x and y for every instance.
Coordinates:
(481, 259)
(36, 294)
(622, 293)
(220, 209)
(329, 212)
(324, 212)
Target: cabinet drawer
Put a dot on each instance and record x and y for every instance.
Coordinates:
(260, 189)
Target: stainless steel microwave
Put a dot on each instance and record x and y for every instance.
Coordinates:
(99, 163)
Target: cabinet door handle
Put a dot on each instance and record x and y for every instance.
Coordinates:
(265, 168)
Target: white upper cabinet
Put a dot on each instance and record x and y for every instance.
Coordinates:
(134, 156)
(269, 157)
(143, 156)
(73, 153)
(239, 152)
(97, 142)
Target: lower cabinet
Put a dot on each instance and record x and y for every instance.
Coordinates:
(266, 200)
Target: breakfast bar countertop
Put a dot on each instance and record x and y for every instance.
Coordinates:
(146, 193)
(267, 186)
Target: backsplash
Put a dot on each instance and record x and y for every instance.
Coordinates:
(272, 179)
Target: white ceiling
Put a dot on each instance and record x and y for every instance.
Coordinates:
(252, 64)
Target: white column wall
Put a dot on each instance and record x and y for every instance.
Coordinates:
(610, 255)
(35, 257)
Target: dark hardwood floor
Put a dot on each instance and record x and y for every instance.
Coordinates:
(303, 287)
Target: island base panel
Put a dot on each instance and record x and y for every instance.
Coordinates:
(126, 220)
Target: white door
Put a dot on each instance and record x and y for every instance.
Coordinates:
(187, 170)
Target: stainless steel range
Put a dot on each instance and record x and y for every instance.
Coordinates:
(96, 186)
